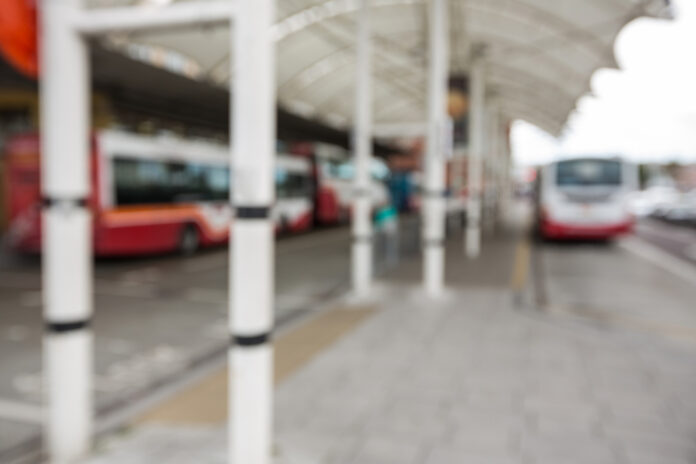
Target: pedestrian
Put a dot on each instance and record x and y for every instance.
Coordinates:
(386, 222)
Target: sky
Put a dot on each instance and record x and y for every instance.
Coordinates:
(646, 111)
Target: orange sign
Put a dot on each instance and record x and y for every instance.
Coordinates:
(457, 103)
(18, 37)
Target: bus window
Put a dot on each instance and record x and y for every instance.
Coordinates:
(217, 183)
(186, 182)
(140, 181)
(588, 172)
(292, 185)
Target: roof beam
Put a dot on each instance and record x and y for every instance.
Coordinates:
(518, 110)
(567, 31)
(100, 21)
(323, 11)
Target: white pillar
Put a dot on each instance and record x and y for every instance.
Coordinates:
(362, 144)
(252, 233)
(506, 197)
(492, 166)
(67, 233)
(477, 114)
(502, 172)
(434, 161)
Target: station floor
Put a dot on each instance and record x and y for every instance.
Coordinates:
(535, 354)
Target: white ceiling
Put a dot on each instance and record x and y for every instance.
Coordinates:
(540, 54)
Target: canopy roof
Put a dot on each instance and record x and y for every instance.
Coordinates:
(540, 54)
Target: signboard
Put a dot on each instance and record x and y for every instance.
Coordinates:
(458, 109)
(18, 37)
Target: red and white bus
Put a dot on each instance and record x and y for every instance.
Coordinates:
(585, 198)
(335, 175)
(151, 194)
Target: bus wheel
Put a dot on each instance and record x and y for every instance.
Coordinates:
(188, 240)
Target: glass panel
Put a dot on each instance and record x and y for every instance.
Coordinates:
(140, 181)
(588, 172)
(292, 185)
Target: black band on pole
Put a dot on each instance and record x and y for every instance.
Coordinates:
(252, 212)
(51, 202)
(434, 242)
(63, 327)
(251, 340)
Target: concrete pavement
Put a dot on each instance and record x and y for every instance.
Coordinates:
(679, 240)
(482, 376)
(158, 321)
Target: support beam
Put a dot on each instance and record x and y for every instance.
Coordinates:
(99, 21)
(507, 174)
(434, 162)
(500, 170)
(477, 134)
(492, 163)
(362, 144)
(252, 234)
(67, 233)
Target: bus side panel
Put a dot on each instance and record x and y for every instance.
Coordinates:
(158, 228)
(302, 223)
(24, 193)
(328, 210)
(555, 230)
(293, 215)
(112, 239)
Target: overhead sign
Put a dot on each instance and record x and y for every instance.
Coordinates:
(18, 36)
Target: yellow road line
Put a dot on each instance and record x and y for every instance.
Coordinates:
(521, 265)
(206, 401)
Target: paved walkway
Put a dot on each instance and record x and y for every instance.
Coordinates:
(472, 377)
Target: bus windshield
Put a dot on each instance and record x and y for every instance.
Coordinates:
(141, 181)
(345, 170)
(588, 172)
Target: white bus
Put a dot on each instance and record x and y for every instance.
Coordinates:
(153, 194)
(582, 198)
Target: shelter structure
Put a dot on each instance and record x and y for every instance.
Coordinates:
(536, 57)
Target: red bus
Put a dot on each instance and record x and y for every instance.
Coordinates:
(151, 194)
(585, 198)
(335, 176)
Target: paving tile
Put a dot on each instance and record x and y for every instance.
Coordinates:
(653, 444)
(455, 385)
(381, 450)
(448, 455)
(568, 448)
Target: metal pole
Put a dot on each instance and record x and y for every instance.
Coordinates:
(502, 172)
(492, 163)
(507, 172)
(67, 232)
(476, 146)
(252, 234)
(434, 191)
(362, 226)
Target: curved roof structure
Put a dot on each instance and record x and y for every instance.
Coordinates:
(540, 54)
